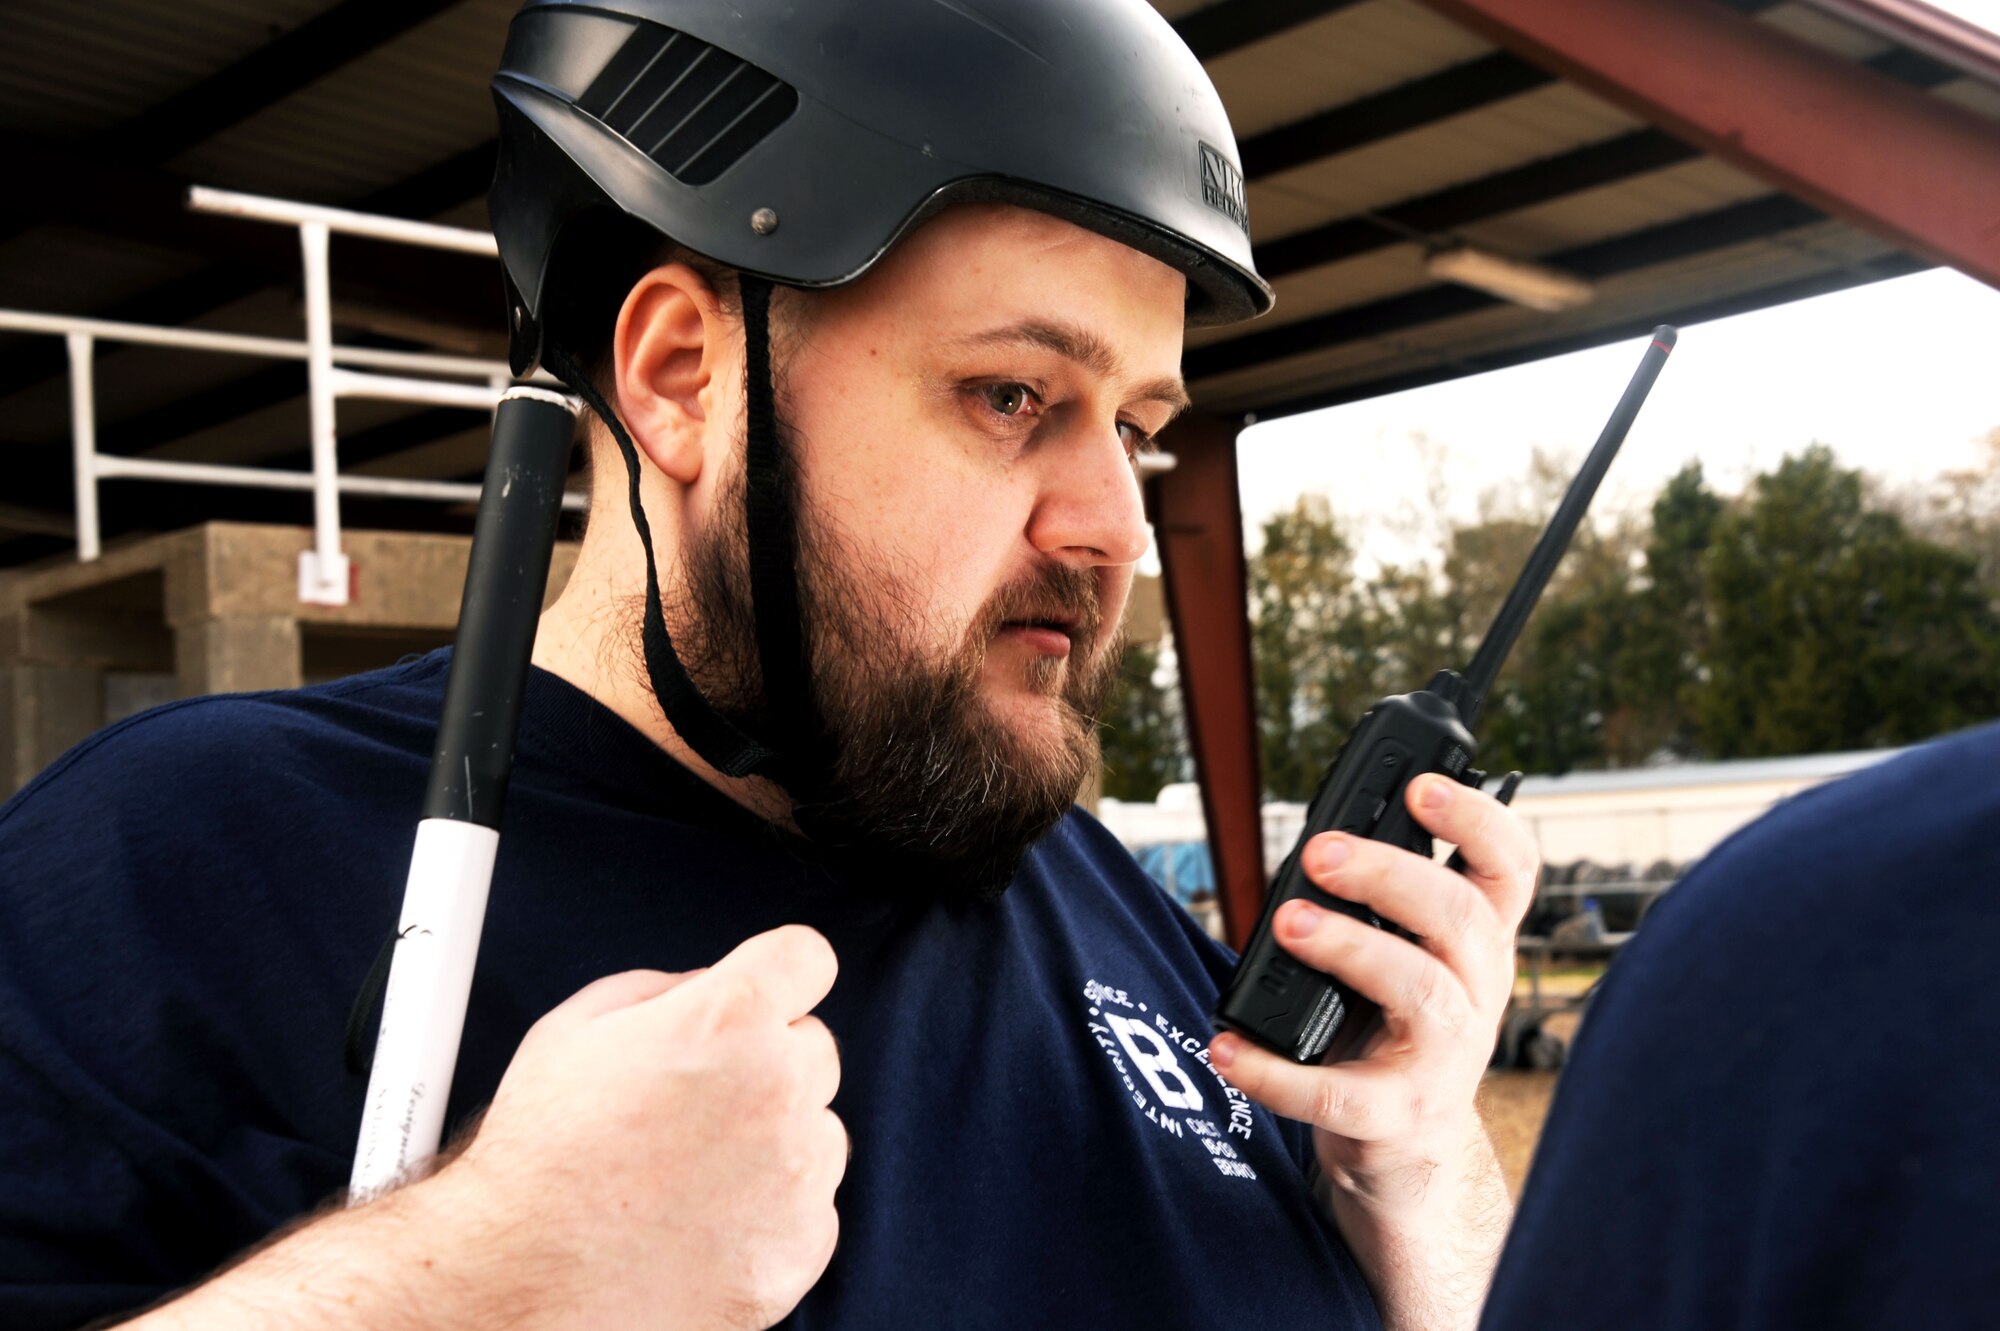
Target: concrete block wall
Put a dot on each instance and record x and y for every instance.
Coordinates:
(213, 609)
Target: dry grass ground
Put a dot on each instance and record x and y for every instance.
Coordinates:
(1514, 1103)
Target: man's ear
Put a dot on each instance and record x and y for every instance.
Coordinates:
(667, 345)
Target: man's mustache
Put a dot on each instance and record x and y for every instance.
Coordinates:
(1052, 595)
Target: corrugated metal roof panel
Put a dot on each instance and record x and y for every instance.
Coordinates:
(1958, 39)
(278, 431)
(61, 270)
(454, 456)
(1336, 59)
(471, 214)
(1699, 186)
(415, 102)
(1355, 281)
(1638, 294)
(69, 69)
(411, 103)
(1449, 152)
(1818, 765)
(1824, 31)
(276, 311)
(1976, 97)
(1281, 208)
(1545, 121)
(1614, 210)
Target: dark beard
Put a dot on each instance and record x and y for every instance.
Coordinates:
(925, 792)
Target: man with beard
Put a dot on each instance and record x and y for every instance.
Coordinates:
(796, 764)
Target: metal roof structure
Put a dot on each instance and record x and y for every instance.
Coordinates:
(1372, 131)
(1428, 135)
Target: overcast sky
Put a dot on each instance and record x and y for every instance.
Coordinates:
(1986, 13)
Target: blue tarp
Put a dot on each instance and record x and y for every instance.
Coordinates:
(1182, 867)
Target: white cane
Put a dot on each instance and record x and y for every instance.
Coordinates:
(444, 898)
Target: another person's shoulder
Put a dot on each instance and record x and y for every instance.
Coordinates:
(1868, 888)
(1777, 1111)
(1866, 897)
(1911, 836)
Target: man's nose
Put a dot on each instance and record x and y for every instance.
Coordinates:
(1089, 511)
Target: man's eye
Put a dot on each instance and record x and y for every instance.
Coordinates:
(1137, 441)
(1009, 399)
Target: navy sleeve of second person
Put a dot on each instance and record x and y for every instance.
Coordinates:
(1782, 1109)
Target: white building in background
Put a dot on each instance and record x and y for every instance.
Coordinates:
(1674, 813)
(1636, 817)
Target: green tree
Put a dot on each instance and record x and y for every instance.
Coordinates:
(1961, 512)
(1556, 697)
(1547, 714)
(1144, 737)
(1328, 645)
(1801, 617)
(1559, 701)
(1303, 637)
(1831, 627)
(1659, 663)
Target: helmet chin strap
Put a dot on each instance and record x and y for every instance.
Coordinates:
(771, 525)
(772, 536)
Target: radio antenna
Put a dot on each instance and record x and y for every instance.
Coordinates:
(1555, 538)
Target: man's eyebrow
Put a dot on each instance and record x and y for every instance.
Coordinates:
(1084, 347)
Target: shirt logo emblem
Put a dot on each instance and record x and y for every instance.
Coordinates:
(1165, 1070)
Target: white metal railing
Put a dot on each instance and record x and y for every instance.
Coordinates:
(332, 372)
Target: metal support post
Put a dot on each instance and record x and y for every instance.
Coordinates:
(323, 569)
(83, 439)
(1198, 520)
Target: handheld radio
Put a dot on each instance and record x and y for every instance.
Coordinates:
(1277, 1000)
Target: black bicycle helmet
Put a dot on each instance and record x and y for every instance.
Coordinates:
(795, 141)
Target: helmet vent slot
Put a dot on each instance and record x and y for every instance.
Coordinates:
(691, 107)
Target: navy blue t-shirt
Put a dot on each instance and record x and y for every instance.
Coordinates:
(190, 900)
(1784, 1110)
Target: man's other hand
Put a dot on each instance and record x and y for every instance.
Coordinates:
(661, 1145)
(660, 1153)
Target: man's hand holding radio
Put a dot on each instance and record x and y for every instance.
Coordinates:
(1414, 1185)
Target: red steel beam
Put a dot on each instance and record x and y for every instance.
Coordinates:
(1198, 523)
(1916, 171)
